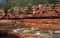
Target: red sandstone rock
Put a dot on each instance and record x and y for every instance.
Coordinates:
(52, 24)
(9, 15)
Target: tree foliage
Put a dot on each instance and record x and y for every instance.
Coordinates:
(22, 3)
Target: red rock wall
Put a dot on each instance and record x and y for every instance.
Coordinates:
(52, 24)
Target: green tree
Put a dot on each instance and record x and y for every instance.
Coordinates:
(53, 1)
